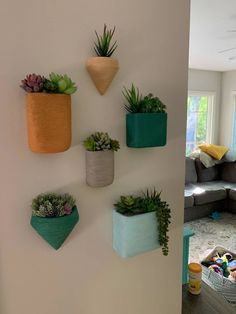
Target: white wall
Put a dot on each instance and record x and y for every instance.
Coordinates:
(86, 276)
(226, 121)
(208, 81)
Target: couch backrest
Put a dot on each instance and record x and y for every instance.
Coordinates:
(206, 174)
(228, 172)
(190, 171)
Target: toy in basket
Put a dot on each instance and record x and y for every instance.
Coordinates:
(219, 272)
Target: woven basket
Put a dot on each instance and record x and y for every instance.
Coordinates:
(221, 284)
(49, 122)
(55, 230)
(99, 168)
(102, 71)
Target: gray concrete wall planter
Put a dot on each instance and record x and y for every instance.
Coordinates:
(99, 168)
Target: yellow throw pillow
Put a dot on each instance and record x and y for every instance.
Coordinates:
(215, 151)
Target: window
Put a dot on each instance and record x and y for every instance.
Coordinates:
(199, 120)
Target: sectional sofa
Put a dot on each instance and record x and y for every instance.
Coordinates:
(209, 189)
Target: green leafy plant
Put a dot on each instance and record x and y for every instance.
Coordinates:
(150, 201)
(52, 205)
(103, 46)
(56, 83)
(139, 104)
(100, 141)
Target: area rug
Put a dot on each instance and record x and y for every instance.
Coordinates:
(211, 233)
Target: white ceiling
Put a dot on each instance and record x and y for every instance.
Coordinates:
(212, 31)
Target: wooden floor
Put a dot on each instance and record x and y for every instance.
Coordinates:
(208, 302)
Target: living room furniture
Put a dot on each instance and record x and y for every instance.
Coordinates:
(208, 302)
(209, 189)
(187, 233)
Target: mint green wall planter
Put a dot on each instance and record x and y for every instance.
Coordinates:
(55, 230)
(146, 129)
(133, 235)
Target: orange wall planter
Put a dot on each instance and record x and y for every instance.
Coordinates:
(48, 122)
(102, 71)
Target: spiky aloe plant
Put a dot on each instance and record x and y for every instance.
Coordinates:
(58, 83)
(139, 104)
(103, 46)
(52, 205)
(100, 141)
(133, 97)
(33, 83)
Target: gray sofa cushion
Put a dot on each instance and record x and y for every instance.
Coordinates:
(206, 174)
(228, 171)
(208, 192)
(188, 195)
(190, 171)
(232, 195)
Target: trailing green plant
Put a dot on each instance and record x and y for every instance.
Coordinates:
(139, 104)
(100, 141)
(150, 201)
(56, 83)
(103, 46)
(52, 205)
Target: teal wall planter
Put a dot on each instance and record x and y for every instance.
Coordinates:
(146, 129)
(55, 230)
(133, 235)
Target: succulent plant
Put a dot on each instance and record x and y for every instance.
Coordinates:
(139, 104)
(100, 141)
(129, 205)
(33, 83)
(52, 205)
(58, 83)
(103, 47)
(150, 201)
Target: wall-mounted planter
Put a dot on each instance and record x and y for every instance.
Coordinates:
(133, 235)
(55, 230)
(102, 71)
(99, 168)
(49, 122)
(146, 129)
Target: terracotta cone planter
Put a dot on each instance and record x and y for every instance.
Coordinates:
(49, 122)
(102, 71)
(99, 168)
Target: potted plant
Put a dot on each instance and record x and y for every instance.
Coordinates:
(100, 150)
(146, 120)
(103, 68)
(140, 224)
(48, 112)
(54, 217)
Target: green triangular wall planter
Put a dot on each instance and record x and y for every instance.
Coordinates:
(146, 129)
(55, 230)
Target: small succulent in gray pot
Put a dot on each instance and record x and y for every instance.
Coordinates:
(100, 150)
